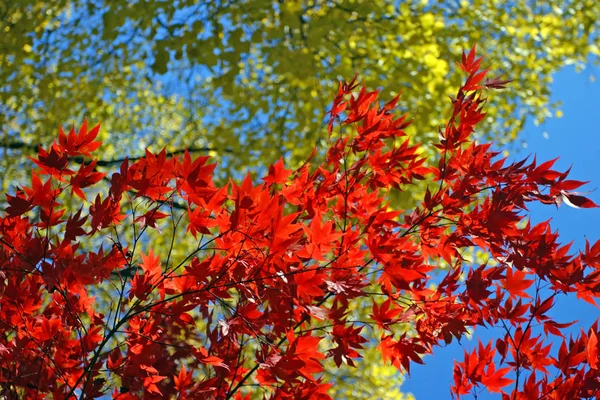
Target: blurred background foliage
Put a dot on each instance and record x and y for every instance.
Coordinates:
(247, 81)
(250, 79)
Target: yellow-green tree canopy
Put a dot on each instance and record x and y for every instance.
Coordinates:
(249, 79)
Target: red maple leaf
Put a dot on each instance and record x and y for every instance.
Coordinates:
(81, 143)
(516, 284)
(277, 173)
(85, 177)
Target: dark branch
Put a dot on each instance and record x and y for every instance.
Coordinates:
(16, 145)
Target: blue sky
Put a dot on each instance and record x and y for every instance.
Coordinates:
(575, 138)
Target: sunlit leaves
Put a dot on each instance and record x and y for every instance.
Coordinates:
(238, 77)
(276, 276)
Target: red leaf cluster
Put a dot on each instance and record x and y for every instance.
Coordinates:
(276, 266)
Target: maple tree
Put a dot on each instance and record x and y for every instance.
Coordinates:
(263, 296)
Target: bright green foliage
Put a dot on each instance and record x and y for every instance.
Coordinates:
(372, 380)
(247, 81)
(237, 76)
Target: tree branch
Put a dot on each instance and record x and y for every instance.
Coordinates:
(17, 145)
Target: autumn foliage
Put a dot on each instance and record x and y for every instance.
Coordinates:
(262, 299)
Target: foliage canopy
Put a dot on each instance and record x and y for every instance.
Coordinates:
(247, 80)
(264, 294)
